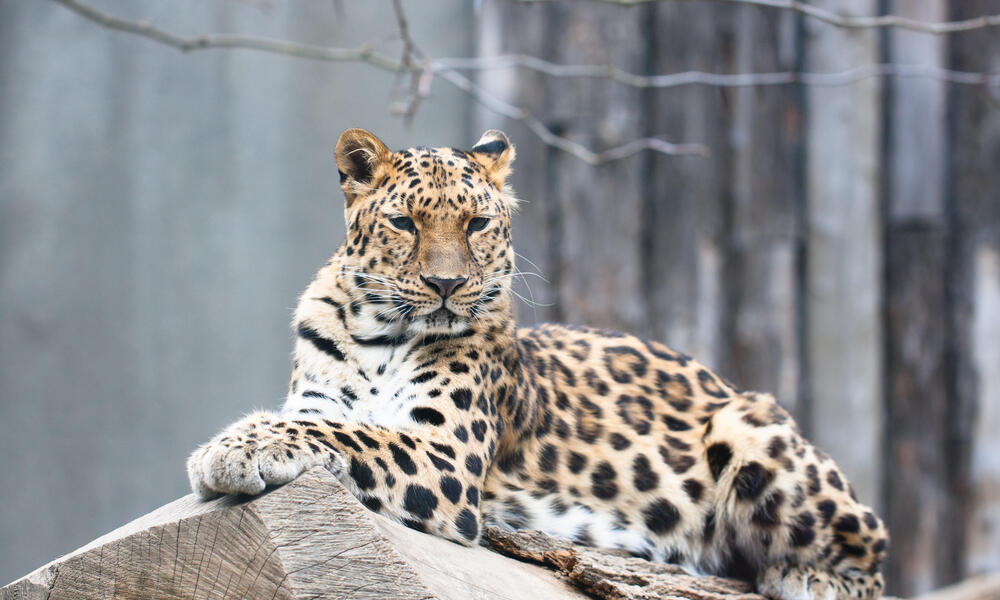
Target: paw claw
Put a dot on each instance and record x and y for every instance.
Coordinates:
(233, 469)
(245, 459)
(196, 476)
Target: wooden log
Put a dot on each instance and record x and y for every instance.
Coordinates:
(313, 539)
(981, 587)
(615, 575)
(309, 539)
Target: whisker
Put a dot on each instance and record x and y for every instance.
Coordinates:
(531, 302)
(527, 260)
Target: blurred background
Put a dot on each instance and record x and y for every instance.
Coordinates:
(829, 229)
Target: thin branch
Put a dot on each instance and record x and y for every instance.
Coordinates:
(363, 54)
(670, 80)
(404, 33)
(847, 22)
(409, 63)
(422, 74)
(547, 136)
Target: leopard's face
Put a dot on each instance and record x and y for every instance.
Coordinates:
(428, 232)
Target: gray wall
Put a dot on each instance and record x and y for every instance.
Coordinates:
(159, 214)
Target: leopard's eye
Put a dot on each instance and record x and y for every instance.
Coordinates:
(403, 224)
(478, 223)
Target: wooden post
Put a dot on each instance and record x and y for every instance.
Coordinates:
(765, 247)
(919, 506)
(580, 223)
(685, 203)
(974, 278)
(843, 251)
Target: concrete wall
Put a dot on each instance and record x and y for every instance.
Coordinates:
(159, 214)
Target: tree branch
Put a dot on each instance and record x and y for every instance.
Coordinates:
(421, 75)
(840, 78)
(547, 136)
(363, 54)
(847, 22)
(409, 63)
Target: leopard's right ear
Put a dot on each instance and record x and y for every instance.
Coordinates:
(359, 155)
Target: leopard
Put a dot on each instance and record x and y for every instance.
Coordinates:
(413, 385)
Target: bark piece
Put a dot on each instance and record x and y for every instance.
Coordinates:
(612, 574)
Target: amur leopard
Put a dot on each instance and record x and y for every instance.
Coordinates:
(411, 383)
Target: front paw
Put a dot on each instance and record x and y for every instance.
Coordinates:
(247, 457)
(803, 582)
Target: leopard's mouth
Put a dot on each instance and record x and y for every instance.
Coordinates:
(441, 315)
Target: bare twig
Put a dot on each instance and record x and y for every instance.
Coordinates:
(409, 63)
(364, 54)
(404, 33)
(580, 151)
(229, 41)
(614, 73)
(847, 22)
(421, 74)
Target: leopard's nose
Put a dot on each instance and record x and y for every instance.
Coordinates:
(444, 287)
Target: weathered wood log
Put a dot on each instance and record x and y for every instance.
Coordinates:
(980, 587)
(313, 539)
(616, 575)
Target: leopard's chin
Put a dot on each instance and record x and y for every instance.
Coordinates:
(441, 321)
(443, 317)
(441, 313)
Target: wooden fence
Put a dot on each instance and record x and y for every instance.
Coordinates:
(840, 247)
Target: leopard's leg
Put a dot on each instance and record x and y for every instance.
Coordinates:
(787, 508)
(430, 481)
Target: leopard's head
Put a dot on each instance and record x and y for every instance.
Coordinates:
(428, 243)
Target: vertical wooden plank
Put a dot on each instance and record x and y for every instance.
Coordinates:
(765, 344)
(714, 251)
(843, 276)
(508, 28)
(917, 487)
(600, 268)
(579, 223)
(916, 118)
(982, 550)
(686, 203)
(919, 506)
(973, 279)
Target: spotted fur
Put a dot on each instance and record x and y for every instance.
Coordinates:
(412, 384)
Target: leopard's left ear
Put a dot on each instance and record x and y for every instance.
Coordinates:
(359, 157)
(495, 152)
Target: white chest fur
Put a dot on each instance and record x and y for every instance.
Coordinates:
(374, 386)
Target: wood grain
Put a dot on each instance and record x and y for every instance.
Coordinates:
(309, 539)
(313, 539)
